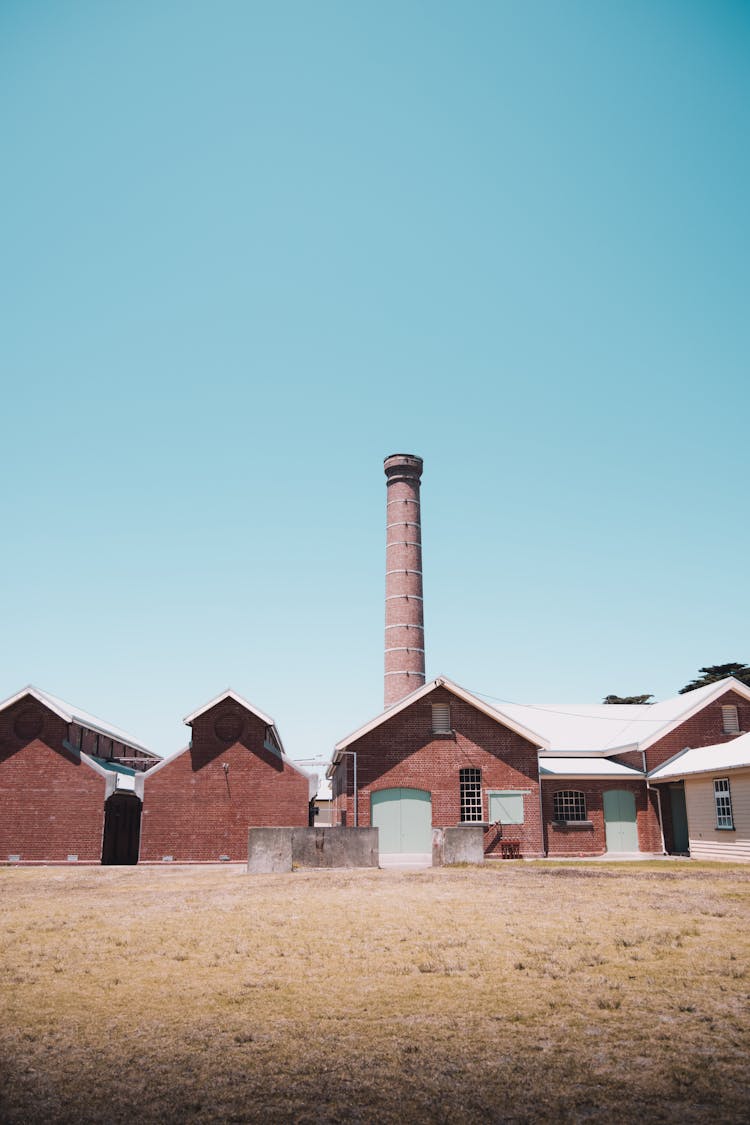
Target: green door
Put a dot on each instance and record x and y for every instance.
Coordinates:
(680, 838)
(404, 818)
(619, 821)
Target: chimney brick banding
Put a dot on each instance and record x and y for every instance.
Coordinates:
(404, 615)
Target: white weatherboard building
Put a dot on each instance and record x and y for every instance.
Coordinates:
(716, 781)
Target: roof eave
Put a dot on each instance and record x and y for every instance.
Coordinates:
(229, 694)
(634, 775)
(722, 686)
(69, 715)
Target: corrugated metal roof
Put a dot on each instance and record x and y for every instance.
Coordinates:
(594, 728)
(585, 767)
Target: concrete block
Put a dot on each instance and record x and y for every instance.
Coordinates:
(463, 844)
(269, 850)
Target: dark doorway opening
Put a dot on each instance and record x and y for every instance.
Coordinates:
(678, 808)
(122, 829)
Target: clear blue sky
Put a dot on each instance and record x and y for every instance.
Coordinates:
(249, 249)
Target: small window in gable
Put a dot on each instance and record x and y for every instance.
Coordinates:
(730, 719)
(441, 718)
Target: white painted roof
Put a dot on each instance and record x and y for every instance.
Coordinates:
(585, 767)
(706, 759)
(608, 728)
(70, 714)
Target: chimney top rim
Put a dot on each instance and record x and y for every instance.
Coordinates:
(404, 460)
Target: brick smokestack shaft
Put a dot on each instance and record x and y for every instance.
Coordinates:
(404, 614)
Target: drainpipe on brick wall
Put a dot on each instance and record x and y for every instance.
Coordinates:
(353, 754)
(541, 802)
(655, 789)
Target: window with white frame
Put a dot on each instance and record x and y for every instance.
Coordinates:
(730, 719)
(569, 804)
(723, 799)
(441, 718)
(470, 780)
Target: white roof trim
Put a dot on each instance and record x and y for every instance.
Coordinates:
(229, 694)
(97, 767)
(165, 762)
(578, 768)
(70, 714)
(608, 753)
(454, 689)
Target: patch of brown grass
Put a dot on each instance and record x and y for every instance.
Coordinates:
(518, 992)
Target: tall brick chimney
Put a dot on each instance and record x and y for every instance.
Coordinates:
(404, 615)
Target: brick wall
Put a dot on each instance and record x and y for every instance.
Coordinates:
(582, 840)
(51, 803)
(403, 752)
(704, 729)
(197, 811)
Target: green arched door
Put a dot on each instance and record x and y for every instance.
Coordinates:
(404, 820)
(619, 821)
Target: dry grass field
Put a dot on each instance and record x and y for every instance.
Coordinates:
(519, 992)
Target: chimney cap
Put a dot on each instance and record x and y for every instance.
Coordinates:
(405, 462)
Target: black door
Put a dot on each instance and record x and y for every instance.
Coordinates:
(680, 835)
(122, 829)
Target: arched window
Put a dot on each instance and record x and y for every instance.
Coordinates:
(569, 804)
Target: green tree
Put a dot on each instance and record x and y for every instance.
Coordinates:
(627, 698)
(716, 672)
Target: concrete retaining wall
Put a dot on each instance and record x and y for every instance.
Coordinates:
(276, 849)
(335, 847)
(457, 845)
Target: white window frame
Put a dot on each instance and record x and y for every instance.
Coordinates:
(723, 804)
(470, 790)
(730, 719)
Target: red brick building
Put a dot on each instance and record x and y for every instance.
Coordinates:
(438, 758)
(556, 780)
(199, 804)
(68, 784)
(542, 780)
(596, 775)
